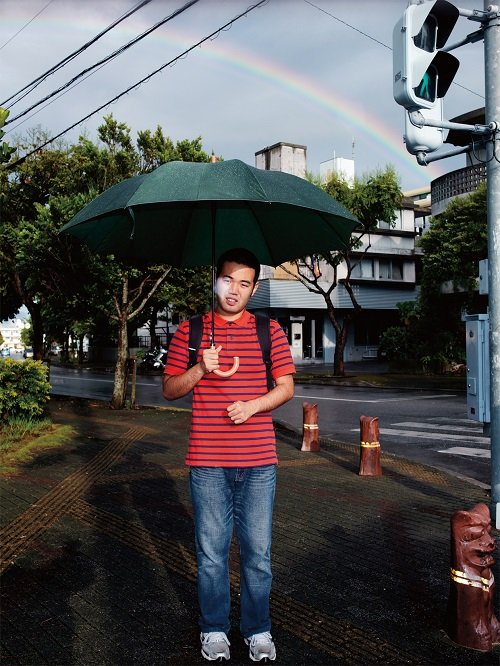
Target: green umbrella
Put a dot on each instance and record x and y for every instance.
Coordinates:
(183, 212)
(187, 213)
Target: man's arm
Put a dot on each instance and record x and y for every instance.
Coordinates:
(240, 411)
(176, 386)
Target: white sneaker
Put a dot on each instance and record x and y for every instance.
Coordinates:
(214, 645)
(261, 646)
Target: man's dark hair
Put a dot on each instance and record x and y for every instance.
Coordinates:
(239, 255)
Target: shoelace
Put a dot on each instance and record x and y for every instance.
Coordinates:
(215, 637)
(261, 639)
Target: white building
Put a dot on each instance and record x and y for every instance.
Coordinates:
(339, 166)
(11, 334)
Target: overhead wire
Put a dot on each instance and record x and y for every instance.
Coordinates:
(101, 63)
(29, 87)
(386, 46)
(25, 25)
(213, 35)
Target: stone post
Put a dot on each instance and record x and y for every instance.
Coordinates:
(369, 454)
(310, 431)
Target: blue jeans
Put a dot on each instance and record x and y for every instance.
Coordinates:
(244, 496)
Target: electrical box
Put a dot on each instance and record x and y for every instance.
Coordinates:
(477, 348)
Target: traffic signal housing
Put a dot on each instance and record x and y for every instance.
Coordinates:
(423, 73)
(424, 139)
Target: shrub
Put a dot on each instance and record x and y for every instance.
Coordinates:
(24, 388)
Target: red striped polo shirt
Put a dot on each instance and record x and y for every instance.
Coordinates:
(214, 440)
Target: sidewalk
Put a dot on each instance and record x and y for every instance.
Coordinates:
(99, 568)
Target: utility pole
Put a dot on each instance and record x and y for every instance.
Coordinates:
(492, 114)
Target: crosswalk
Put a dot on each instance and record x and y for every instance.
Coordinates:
(461, 437)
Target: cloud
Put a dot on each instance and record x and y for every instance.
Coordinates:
(286, 72)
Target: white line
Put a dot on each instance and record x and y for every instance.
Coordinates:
(64, 380)
(462, 451)
(420, 397)
(320, 397)
(430, 435)
(381, 400)
(433, 426)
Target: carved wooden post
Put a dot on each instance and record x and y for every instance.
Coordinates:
(310, 432)
(470, 618)
(369, 454)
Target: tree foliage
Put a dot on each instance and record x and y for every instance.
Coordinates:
(453, 247)
(66, 289)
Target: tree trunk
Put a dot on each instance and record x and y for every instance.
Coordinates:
(80, 349)
(37, 327)
(120, 385)
(338, 358)
(152, 327)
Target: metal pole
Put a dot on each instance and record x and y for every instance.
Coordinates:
(492, 114)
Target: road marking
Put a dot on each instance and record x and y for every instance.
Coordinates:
(63, 380)
(380, 400)
(432, 426)
(320, 397)
(463, 451)
(430, 435)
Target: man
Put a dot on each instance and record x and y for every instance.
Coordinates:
(232, 455)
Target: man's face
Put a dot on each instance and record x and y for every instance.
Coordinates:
(234, 287)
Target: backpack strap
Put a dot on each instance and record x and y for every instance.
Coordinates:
(262, 324)
(195, 335)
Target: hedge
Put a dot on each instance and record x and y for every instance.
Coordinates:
(24, 388)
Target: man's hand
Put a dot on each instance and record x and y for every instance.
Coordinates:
(240, 411)
(210, 359)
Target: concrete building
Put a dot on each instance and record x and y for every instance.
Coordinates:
(339, 166)
(287, 157)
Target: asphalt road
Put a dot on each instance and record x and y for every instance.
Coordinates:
(430, 427)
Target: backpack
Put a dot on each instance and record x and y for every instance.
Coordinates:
(263, 334)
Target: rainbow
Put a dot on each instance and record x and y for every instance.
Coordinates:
(380, 135)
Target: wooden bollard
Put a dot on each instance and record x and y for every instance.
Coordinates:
(369, 452)
(470, 617)
(310, 431)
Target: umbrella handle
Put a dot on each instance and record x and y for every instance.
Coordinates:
(231, 371)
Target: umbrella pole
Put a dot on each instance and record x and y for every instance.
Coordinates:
(214, 278)
(236, 360)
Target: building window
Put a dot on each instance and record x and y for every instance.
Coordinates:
(364, 269)
(390, 269)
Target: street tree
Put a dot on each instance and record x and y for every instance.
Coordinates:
(373, 198)
(431, 332)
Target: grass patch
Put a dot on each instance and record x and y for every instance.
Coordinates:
(21, 440)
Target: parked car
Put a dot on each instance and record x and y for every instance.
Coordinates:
(28, 353)
(5, 351)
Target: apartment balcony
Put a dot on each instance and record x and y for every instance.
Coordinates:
(454, 184)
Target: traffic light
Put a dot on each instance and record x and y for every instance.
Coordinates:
(424, 139)
(422, 73)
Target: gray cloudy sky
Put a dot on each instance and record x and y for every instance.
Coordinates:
(297, 71)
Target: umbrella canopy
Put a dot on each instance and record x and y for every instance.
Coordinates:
(184, 213)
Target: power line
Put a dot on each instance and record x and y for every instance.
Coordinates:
(105, 60)
(386, 46)
(26, 25)
(29, 87)
(212, 36)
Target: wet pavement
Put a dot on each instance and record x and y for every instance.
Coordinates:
(98, 561)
